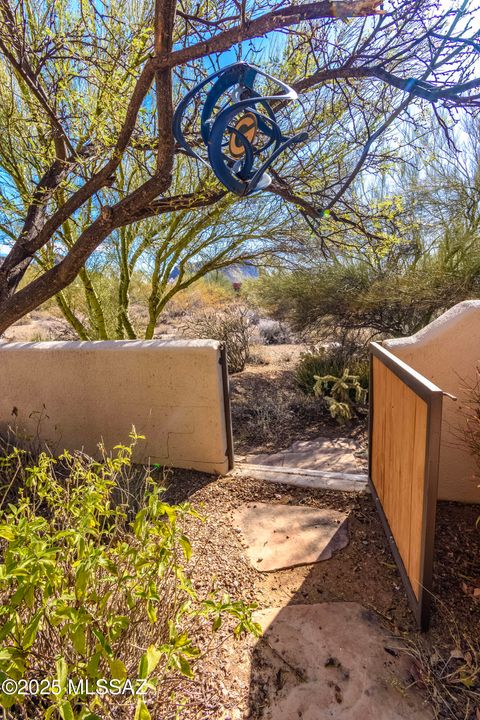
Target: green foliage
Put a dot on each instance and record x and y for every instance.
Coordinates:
(143, 270)
(337, 394)
(92, 589)
(77, 101)
(331, 361)
(395, 296)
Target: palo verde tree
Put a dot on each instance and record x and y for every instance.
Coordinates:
(88, 88)
(419, 256)
(154, 259)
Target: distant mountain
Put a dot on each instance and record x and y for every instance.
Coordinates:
(234, 273)
(240, 272)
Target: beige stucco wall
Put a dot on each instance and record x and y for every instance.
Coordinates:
(72, 394)
(447, 352)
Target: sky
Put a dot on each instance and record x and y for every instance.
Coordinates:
(260, 51)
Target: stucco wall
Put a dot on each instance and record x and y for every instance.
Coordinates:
(72, 394)
(447, 352)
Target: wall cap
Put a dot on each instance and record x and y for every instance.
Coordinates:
(431, 332)
(97, 345)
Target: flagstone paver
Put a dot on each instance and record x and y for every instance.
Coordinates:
(282, 536)
(338, 455)
(334, 661)
(304, 477)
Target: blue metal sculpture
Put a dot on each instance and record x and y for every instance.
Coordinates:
(242, 131)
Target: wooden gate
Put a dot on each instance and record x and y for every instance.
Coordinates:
(404, 447)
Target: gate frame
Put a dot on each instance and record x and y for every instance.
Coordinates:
(432, 396)
(230, 452)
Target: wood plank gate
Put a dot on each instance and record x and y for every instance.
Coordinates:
(404, 447)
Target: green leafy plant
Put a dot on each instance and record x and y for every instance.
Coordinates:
(92, 591)
(337, 394)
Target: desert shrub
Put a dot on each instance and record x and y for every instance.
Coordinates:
(391, 301)
(272, 332)
(260, 421)
(257, 358)
(93, 590)
(231, 326)
(448, 674)
(340, 394)
(213, 291)
(270, 419)
(329, 361)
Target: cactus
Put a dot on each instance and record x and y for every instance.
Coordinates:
(337, 394)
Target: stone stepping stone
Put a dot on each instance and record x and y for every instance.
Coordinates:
(341, 455)
(335, 661)
(301, 477)
(284, 536)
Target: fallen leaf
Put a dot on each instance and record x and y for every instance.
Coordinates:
(391, 651)
(457, 654)
(435, 658)
(471, 590)
(415, 672)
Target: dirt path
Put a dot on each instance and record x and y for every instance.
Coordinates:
(234, 681)
(270, 412)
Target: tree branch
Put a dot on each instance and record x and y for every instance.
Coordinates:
(162, 64)
(275, 20)
(164, 22)
(125, 212)
(24, 69)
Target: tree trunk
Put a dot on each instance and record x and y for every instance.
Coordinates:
(15, 306)
(71, 318)
(95, 311)
(123, 321)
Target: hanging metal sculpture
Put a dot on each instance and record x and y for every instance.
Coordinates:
(238, 126)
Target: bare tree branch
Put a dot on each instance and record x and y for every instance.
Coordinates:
(275, 20)
(408, 49)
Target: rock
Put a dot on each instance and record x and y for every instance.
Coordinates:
(332, 662)
(282, 536)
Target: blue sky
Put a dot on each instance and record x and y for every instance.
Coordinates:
(260, 51)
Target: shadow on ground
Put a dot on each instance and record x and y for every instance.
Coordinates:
(347, 659)
(182, 485)
(308, 666)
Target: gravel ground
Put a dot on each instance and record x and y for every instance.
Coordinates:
(230, 684)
